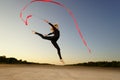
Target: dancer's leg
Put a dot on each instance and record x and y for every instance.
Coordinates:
(44, 37)
(58, 49)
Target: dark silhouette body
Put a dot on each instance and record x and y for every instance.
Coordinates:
(53, 39)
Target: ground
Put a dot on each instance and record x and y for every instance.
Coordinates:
(47, 72)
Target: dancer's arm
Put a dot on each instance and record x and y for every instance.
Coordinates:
(50, 24)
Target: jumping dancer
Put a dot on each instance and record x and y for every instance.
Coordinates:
(56, 34)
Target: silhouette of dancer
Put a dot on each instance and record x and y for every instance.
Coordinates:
(56, 34)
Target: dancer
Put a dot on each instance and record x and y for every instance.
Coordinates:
(56, 34)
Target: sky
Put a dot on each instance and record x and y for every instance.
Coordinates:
(99, 22)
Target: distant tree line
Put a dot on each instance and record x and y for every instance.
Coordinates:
(12, 60)
(100, 64)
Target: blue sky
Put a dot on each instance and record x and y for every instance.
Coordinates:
(99, 21)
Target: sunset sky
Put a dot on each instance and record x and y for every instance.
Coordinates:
(99, 21)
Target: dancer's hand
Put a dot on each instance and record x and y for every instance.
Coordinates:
(46, 21)
(33, 32)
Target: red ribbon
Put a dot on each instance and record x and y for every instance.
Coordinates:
(59, 4)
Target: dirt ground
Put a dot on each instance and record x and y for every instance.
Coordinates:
(47, 72)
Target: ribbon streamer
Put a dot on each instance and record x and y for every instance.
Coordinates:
(59, 4)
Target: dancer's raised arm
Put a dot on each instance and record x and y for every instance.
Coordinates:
(50, 24)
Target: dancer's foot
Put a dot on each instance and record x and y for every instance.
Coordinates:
(61, 60)
(33, 32)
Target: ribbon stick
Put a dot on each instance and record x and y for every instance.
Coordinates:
(59, 4)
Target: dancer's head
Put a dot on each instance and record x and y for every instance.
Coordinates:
(56, 26)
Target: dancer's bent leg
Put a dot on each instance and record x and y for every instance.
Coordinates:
(44, 37)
